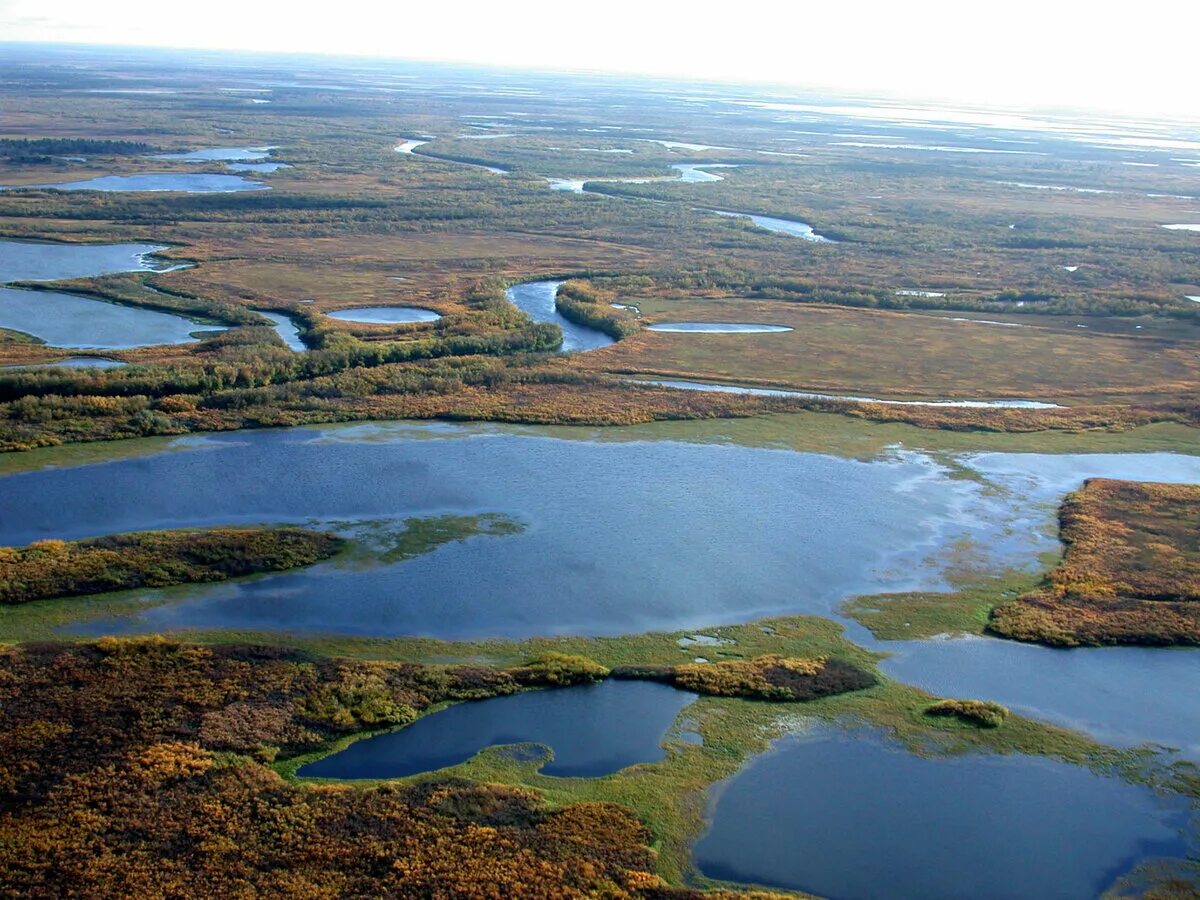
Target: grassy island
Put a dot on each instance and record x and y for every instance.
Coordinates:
(152, 559)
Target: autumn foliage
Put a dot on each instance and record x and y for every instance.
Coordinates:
(770, 677)
(56, 568)
(1130, 573)
(128, 769)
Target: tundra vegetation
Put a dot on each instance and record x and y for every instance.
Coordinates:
(147, 767)
(1130, 572)
(151, 559)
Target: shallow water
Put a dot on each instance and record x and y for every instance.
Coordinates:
(593, 730)
(717, 327)
(839, 815)
(409, 146)
(257, 167)
(536, 299)
(1182, 227)
(286, 328)
(81, 323)
(386, 315)
(772, 392)
(161, 182)
(28, 261)
(801, 230)
(75, 362)
(220, 154)
(624, 537)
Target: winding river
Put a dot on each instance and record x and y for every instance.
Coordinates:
(537, 300)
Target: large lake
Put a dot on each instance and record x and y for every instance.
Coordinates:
(621, 537)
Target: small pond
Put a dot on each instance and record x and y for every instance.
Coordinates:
(385, 315)
(593, 730)
(839, 815)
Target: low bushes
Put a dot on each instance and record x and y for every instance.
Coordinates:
(983, 713)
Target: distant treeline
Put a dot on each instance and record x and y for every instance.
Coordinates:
(39, 150)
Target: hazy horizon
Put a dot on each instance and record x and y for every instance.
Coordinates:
(1027, 55)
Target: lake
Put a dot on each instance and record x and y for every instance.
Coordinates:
(82, 323)
(733, 534)
(592, 730)
(840, 814)
(29, 261)
(188, 183)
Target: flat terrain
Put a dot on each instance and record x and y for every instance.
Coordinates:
(837, 350)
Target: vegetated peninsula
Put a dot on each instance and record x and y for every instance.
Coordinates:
(1130, 573)
(153, 559)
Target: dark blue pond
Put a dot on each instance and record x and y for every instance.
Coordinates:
(592, 730)
(843, 815)
(536, 299)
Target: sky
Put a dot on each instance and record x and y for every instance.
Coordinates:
(1139, 58)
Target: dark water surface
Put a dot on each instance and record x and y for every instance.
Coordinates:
(592, 730)
(853, 817)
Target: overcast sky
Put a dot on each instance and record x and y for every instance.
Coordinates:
(1141, 57)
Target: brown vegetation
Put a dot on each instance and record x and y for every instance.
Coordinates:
(116, 562)
(1130, 573)
(124, 773)
(983, 713)
(770, 677)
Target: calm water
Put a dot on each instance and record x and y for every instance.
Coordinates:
(257, 167)
(219, 154)
(717, 327)
(840, 815)
(771, 392)
(81, 323)
(388, 315)
(162, 182)
(286, 328)
(536, 298)
(75, 362)
(27, 261)
(625, 537)
(592, 730)
(801, 230)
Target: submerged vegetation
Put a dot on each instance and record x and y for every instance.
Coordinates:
(152, 559)
(1130, 573)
